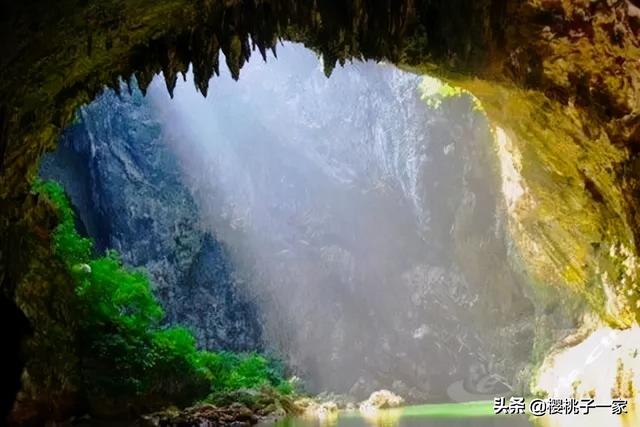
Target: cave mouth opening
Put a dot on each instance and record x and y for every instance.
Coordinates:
(352, 226)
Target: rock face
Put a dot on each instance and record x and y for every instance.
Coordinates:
(370, 225)
(126, 189)
(368, 232)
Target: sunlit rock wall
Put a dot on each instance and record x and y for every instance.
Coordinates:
(566, 212)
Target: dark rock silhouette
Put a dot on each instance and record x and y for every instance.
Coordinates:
(13, 360)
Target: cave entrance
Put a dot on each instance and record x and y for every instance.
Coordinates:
(575, 130)
(353, 225)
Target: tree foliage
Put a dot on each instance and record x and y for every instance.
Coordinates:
(127, 355)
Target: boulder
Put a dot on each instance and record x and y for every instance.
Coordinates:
(381, 399)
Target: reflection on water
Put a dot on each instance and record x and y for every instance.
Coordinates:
(457, 416)
(395, 419)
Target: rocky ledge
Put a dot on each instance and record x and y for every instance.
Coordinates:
(238, 408)
(381, 399)
(236, 415)
(266, 406)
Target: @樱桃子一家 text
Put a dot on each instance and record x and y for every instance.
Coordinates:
(554, 406)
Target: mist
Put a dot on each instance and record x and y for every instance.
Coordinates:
(365, 225)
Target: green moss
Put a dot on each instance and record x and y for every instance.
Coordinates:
(434, 91)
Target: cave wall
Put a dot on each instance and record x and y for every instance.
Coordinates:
(572, 134)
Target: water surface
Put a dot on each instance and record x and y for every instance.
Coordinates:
(474, 414)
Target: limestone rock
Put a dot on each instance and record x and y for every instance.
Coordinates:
(381, 399)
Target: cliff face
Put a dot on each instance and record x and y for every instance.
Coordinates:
(355, 229)
(128, 194)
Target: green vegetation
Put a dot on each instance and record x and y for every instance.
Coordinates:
(128, 359)
(434, 91)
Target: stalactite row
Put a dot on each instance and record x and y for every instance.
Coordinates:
(111, 41)
(338, 31)
(409, 31)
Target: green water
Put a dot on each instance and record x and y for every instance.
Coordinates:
(473, 414)
(478, 414)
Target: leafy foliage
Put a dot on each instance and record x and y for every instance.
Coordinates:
(231, 371)
(67, 243)
(126, 354)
